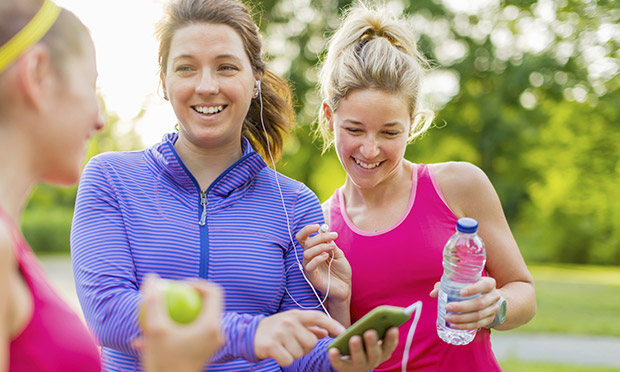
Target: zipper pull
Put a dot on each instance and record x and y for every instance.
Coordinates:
(203, 203)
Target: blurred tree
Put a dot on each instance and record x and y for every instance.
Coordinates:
(527, 90)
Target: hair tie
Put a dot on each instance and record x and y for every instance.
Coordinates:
(371, 34)
(34, 30)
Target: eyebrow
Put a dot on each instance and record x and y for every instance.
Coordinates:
(221, 56)
(390, 124)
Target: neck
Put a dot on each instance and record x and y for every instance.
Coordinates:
(206, 164)
(18, 176)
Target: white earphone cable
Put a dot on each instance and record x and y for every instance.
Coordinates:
(288, 224)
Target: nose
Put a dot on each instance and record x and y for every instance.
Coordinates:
(369, 148)
(208, 84)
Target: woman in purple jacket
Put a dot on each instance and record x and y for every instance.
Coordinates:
(204, 204)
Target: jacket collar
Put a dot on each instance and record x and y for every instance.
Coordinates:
(168, 162)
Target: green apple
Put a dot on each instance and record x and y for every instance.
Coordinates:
(183, 301)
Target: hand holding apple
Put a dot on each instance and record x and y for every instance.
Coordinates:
(180, 323)
(181, 299)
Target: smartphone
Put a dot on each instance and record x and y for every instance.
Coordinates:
(381, 318)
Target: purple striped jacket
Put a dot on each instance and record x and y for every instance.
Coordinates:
(143, 211)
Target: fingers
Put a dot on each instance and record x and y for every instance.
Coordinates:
(365, 355)
(390, 341)
(316, 318)
(434, 293)
(154, 311)
(473, 313)
(211, 298)
(303, 236)
(305, 232)
(289, 335)
(484, 285)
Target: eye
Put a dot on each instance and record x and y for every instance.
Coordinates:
(183, 68)
(391, 133)
(228, 68)
(353, 130)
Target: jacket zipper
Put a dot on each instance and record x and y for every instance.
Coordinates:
(203, 203)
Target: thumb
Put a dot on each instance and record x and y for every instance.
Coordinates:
(153, 310)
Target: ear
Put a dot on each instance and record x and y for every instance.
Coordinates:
(327, 110)
(35, 74)
(162, 79)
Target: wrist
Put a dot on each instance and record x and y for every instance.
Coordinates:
(500, 315)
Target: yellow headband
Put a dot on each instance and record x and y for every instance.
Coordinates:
(30, 34)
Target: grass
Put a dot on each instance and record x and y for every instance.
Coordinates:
(576, 299)
(573, 299)
(520, 366)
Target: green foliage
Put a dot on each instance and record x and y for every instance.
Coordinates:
(47, 228)
(532, 110)
(536, 106)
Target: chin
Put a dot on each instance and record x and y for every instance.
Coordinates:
(64, 179)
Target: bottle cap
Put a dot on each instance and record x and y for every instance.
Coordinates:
(467, 225)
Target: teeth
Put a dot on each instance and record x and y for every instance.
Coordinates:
(367, 165)
(209, 110)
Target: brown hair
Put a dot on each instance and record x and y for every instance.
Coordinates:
(278, 113)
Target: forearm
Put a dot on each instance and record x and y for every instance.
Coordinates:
(316, 361)
(239, 332)
(521, 304)
(112, 316)
(340, 310)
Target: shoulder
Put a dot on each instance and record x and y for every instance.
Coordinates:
(288, 186)
(113, 158)
(326, 206)
(116, 162)
(461, 183)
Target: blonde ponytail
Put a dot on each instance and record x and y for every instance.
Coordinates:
(373, 49)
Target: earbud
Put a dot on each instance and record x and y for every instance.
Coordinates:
(256, 88)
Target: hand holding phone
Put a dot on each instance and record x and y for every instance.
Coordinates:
(381, 318)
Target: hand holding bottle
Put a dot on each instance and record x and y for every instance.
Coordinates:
(475, 313)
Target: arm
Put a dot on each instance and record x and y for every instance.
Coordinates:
(469, 192)
(102, 264)
(7, 266)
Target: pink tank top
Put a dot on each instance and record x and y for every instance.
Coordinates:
(55, 339)
(399, 266)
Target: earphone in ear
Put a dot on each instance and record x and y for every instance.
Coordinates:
(258, 85)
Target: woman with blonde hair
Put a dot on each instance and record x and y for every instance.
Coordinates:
(392, 217)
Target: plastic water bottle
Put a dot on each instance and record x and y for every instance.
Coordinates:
(463, 261)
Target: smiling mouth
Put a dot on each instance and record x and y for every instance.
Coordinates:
(367, 165)
(209, 110)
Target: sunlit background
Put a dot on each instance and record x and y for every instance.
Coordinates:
(527, 90)
(123, 32)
